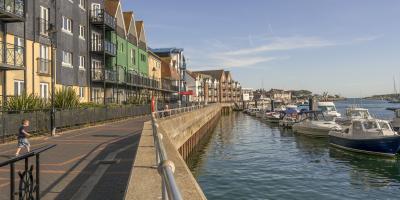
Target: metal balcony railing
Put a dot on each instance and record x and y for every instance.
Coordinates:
(133, 78)
(100, 17)
(100, 45)
(44, 66)
(43, 27)
(100, 74)
(11, 55)
(15, 7)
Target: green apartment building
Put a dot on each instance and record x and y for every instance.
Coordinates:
(125, 75)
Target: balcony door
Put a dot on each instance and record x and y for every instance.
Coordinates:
(96, 41)
(44, 20)
(44, 59)
(96, 9)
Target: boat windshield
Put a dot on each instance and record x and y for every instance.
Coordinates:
(327, 108)
(384, 125)
(370, 125)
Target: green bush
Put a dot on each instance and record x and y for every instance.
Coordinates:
(25, 102)
(66, 98)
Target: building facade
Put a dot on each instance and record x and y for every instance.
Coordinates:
(219, 86)
(25, 48)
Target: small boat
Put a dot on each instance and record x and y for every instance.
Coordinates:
(314, 123)
(372, 136)
(273, 117)
(329, 109)
(290, 118)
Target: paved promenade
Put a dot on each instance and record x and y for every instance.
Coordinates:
(89, 163)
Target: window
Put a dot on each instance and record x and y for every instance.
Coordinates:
(81, 92)
(44, 59)
(82, 4)
(96, 41)
(44, 90)
(19, 42)
(95, 9)
(67, 59)
(96, 64)
(19, 87)
(44, 21)
(133, 58)
(81, 32)
(142, 57)
(67, 25)
(81, 62)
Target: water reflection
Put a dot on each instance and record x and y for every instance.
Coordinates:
(367, 170)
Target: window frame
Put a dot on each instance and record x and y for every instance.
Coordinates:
(44, 94)
(82, 62)
(19, 90)
(69, 25)
(67, 64)
(82, 32)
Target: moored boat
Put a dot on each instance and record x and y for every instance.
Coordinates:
(329, 109)
(314, 123)
(372, 136)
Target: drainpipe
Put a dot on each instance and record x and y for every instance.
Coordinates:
(33, 47)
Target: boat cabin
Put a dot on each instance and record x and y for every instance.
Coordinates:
(358, 113)
(369, 127)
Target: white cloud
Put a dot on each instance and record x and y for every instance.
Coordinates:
(285, 43)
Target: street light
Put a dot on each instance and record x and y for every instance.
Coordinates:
(52, 31)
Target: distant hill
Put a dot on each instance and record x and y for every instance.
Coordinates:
(384, 96)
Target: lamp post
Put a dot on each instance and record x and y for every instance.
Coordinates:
(53, 34)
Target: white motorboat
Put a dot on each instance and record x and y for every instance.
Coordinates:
(372, 136)
(329, 109)
(314, 123)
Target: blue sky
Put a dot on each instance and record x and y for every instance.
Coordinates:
(347, 47)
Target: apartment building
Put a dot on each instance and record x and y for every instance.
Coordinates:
(218, 86)
(25, 60)
(97, 49)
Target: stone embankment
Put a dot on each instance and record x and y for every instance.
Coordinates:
(181, 133)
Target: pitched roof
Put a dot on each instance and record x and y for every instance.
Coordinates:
(127, 19)
(217, 74)
(139, 26)
(111, 6)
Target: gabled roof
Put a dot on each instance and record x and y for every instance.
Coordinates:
(216, 74)
(111, 6)
(128, 18)
(139, 26)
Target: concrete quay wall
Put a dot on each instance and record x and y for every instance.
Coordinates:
(181, 134)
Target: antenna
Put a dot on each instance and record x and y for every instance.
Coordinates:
(394, 85)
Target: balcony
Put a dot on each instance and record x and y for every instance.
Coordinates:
(43, 66)
(134, 79)
(103, 46)
(43, 27)
(12, 11)
(11, 56)
(102, 19)
(99, 74)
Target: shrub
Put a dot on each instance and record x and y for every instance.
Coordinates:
(66, 98)
(25, 102)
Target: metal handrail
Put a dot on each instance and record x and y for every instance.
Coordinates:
(166, 168)
(172, 112)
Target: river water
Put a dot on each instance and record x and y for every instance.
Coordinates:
(246, 158)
